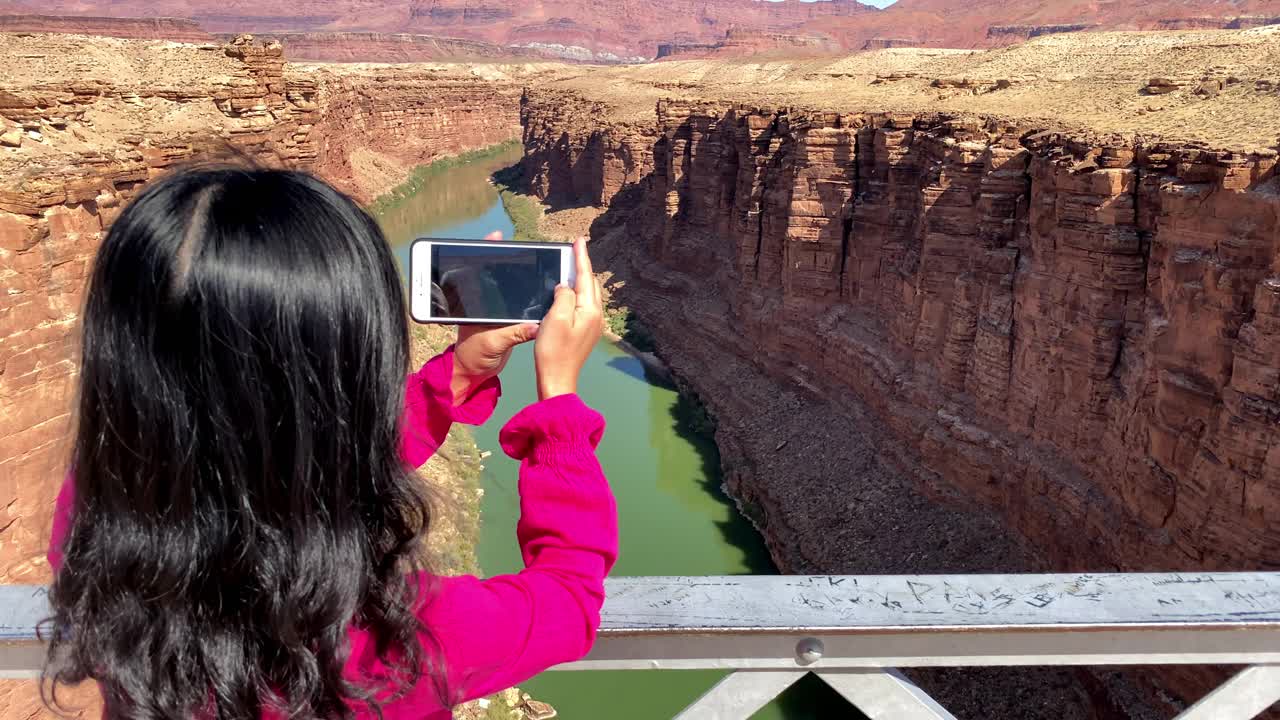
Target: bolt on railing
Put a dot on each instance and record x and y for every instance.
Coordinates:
(856, 632)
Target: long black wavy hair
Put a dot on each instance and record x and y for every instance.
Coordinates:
(240, 498)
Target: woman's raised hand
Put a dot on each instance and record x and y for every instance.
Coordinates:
(570, 330)
(483, 350)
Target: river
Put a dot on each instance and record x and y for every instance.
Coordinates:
(674, 518)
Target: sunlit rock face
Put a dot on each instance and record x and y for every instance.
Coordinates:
(94, 124)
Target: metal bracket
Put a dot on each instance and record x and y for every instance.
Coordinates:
(1243, 697)
(740, 694)
(885, 694)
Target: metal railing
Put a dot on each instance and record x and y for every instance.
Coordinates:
(855, 632)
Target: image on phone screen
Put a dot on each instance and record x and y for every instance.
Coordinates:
(498, 282)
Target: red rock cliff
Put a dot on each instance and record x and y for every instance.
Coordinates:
(1079, 334)
(1048, 322)
(377, 124)
(622, 29)
(53, 207)
(147, 28)
(391, 48)
(90, 132)
(74, 171)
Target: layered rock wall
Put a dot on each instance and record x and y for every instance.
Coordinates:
(391, 48)
(1243, 22)
(409, 118)
(570, 162)
(739, 43)
(53, 210)
(1021, 33)
(58, 193)
(1077, 335)
(87, 143)
(1081, 333)
(147, 28)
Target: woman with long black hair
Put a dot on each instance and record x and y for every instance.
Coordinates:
(239, 535)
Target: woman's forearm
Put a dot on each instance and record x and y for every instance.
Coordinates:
(432, 405)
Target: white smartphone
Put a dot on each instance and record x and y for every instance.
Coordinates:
(457, 282)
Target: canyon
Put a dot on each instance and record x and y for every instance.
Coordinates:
(1005, 309)
(1069, 325)
(1076, 333)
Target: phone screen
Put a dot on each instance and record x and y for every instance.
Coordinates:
(498, 282)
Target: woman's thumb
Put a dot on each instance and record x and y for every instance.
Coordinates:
(523, 333)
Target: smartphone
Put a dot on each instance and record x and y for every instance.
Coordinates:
(457, 282)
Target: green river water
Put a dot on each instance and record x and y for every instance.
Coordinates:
(673, 516)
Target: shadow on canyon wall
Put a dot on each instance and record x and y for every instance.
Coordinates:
(641, 244)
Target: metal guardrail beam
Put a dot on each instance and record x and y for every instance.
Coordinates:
(855, 631)
(1246, 695)
(22, 608)
(880, 603)
(919, 621)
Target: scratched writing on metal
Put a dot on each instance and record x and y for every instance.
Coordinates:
(917, 595)
(886, 601)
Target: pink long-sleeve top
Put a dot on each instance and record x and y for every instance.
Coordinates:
(492, 634)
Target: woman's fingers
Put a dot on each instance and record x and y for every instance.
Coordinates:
(586, 290)
(496, 235)
(568, 333)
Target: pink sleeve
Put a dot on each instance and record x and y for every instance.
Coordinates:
(61, 521)
(429, 410)
(498, 632)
